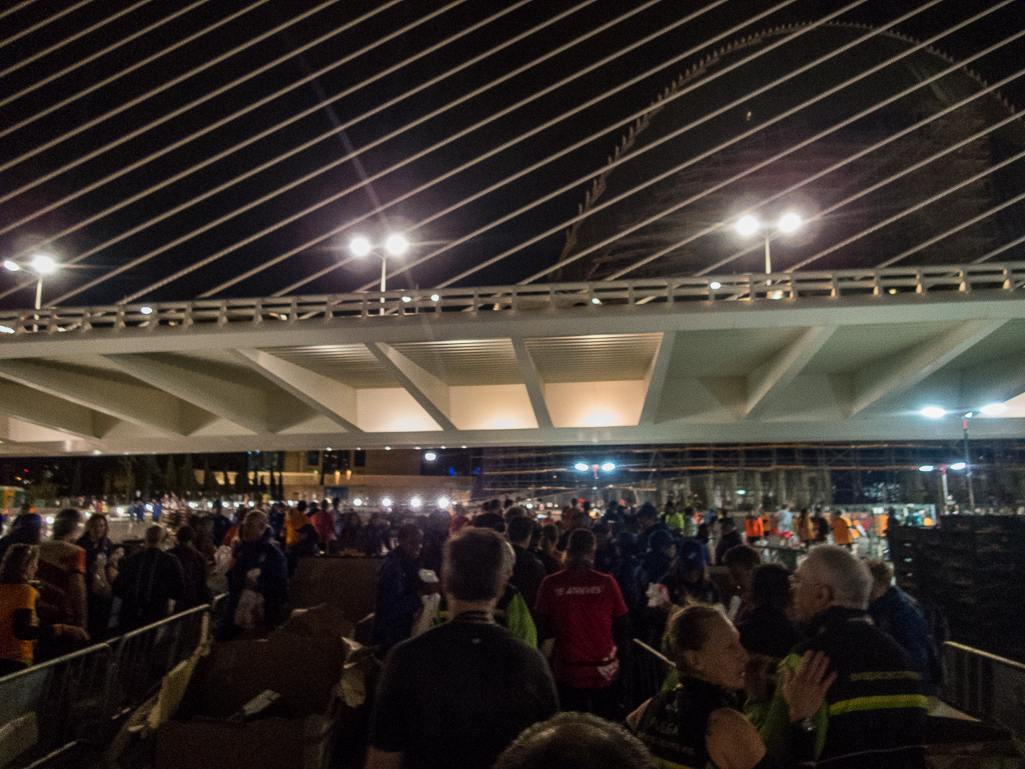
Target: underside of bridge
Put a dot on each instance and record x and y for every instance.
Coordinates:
(635, 363)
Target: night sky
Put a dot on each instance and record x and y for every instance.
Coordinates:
(26, 65)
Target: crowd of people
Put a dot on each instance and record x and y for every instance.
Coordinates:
(491, 623)
(830, 664)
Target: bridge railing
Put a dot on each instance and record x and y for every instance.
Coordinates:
(748, 287)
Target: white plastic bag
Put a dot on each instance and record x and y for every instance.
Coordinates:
(249, 613)
(658, 596)
(425, 617)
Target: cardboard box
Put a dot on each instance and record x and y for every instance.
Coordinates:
(305, 671)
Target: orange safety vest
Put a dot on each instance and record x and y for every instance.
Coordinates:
(754, 528)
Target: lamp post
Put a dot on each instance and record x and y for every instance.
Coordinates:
(606, 467)
(938, 412)
(41, 264)
(943, 474)
(395, 245)
(749, 225)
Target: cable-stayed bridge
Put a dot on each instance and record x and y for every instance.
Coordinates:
(568, 176)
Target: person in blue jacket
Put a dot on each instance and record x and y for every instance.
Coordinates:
(398, 589)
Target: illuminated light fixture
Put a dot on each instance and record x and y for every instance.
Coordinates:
(49, 520)
(741, 492)
(444, 502)
(927, 468)
(415, 503)
(149, 508)
(748, 225)
(396, 245)
(958, 466)
(933, 412)
(12, 266)
(6, 330)
(530, 506)
(992, 409)
(386, 502)
(359, 246)
(791, 221)
(120, 511)
(387, 448)
(595, 300)
(146, 310)
(715, 285)
(430, 456)
(407, 299)
(582, 466)
(44, 264)
(357, 502)
(435, 298)
(608, 467)
(969, 415)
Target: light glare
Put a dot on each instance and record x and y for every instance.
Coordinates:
(926, 468)
(359, 246)
(933, 412)
(146, 310)
(958, 466)
(44, 264)
(430, 456)
(581, 466)
(992, 409)
(444, 502)
(415, 502)
(608, 467)
(748, 225)
(12, 266)
(396, 245)
(715, 285)
(357, 502)
(791, 221)
(386, 502)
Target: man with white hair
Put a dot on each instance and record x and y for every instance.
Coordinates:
(875, 711)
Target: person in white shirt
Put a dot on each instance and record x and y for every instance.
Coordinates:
(785, 521)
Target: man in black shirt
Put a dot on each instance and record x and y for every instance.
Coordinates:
(528, 571)
(457, 695)
(147, 582)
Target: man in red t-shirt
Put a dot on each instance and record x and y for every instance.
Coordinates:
(582, 620)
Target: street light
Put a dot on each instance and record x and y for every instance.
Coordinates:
(938, 412)
(749, 225)
(943, 473)
(41, 264)
(395, 245)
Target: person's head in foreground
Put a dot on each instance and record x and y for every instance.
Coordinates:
(575, 741)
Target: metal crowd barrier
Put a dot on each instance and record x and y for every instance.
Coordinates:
(647, 672)
(78, 697)
(985, 686)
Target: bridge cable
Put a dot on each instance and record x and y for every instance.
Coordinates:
(252, 139)
(41, 24)
(77, 36)
(336, 129)
(674, 134)
(422, 119)
(98, 54)
(131, 68)
(153, 92)
(462, 133)
(16, 8)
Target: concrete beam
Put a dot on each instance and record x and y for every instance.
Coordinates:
(130, 402)
(766, 382)
(655, 379)
(37, 408)
(327, 397)
(427, 390)
(533, 381)
(247, 407)
(906, 369)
